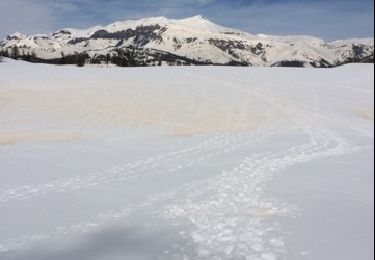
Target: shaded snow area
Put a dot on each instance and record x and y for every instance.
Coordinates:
(208, 163)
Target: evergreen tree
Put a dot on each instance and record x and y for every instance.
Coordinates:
(33, 57)
(95, 60)
(81, 61)
(107, 58)
(15, 52)
(27, 57)
(120, 61)
(63, 60)
(5, 53)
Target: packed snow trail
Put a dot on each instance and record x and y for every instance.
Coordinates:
(188, 156)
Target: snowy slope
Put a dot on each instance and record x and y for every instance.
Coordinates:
(193, 40)
(186, 163)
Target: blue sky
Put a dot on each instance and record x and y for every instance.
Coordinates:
(329, 19)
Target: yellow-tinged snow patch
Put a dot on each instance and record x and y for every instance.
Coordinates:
(367, 113)
(38, 137)
(182, 111)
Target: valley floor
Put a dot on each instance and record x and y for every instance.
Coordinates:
(186, 163)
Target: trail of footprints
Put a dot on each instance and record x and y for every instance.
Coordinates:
(216, 207)
(163, 163)
(222, 144)
(227, 212)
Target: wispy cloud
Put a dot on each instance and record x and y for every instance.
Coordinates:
(330, 19)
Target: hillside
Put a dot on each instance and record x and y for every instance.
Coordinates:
(192, 41)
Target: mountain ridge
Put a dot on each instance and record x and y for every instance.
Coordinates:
(190, 41)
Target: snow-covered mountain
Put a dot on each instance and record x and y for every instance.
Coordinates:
(194, 40)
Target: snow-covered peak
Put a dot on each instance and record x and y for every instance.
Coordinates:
(199, 23)
(193, 40)
(80, 32)
(197, 19)
(16, 36)
(196, 23)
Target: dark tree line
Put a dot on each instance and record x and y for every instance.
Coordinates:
(121, 58)
(15, 53)
(78, 59)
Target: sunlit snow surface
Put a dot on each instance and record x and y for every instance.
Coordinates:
(186, 163)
